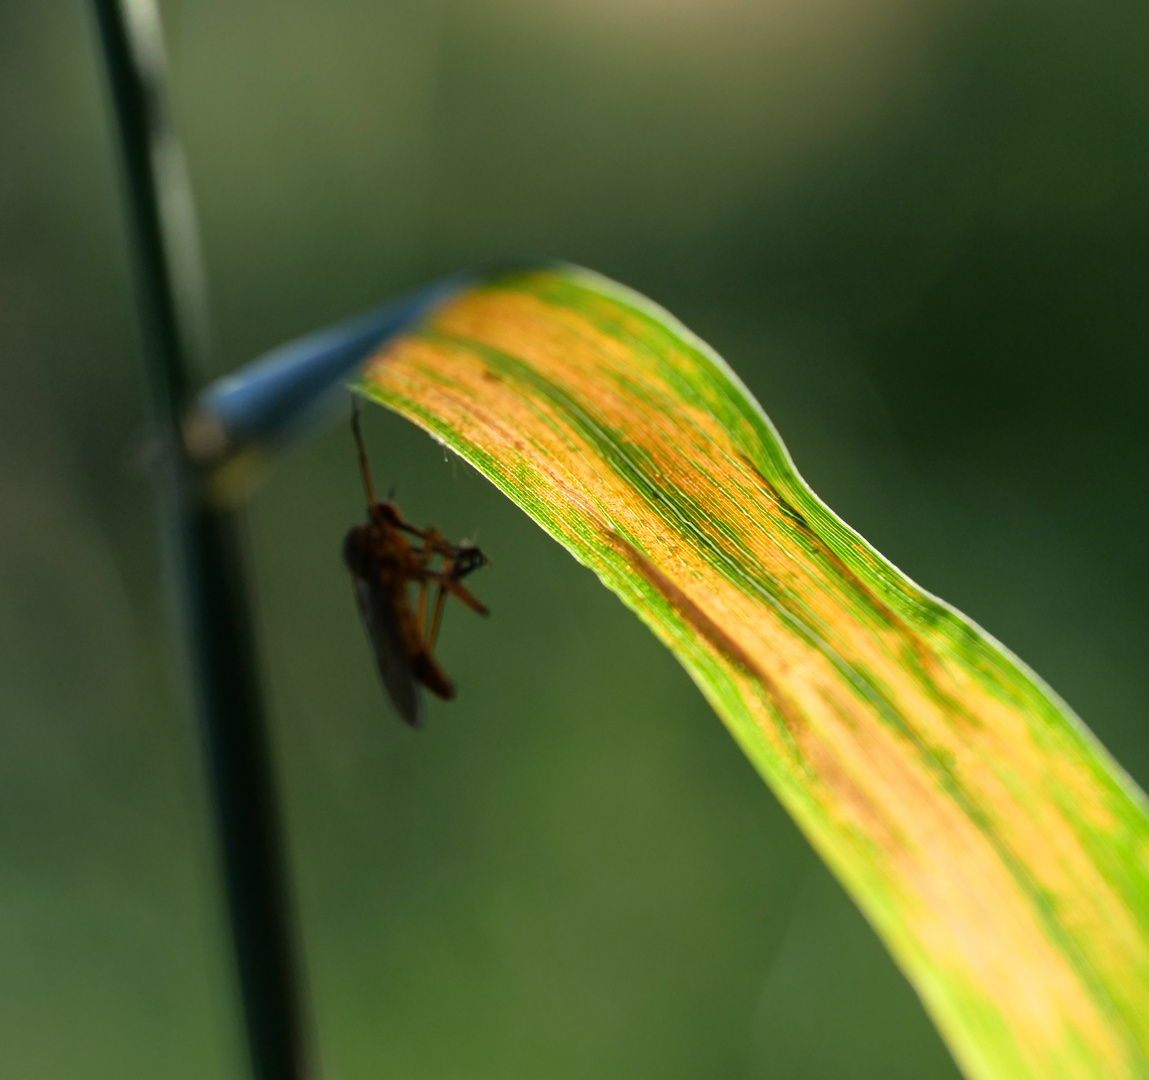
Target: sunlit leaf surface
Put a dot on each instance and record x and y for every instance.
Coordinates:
(996, 848)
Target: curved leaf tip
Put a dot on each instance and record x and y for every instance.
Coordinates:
(996, 848)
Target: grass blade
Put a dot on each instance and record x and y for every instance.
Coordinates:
(206, 544)
(996, 848)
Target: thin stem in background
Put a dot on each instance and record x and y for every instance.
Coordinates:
(215, 605)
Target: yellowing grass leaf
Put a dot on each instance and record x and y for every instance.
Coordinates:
(1000, 853)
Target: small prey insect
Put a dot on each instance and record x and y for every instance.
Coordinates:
(384, 561)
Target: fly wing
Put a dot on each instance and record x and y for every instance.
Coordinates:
(382, 628)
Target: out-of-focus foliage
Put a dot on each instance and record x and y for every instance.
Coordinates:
(918, 231)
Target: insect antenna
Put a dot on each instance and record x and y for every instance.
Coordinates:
(364, 467)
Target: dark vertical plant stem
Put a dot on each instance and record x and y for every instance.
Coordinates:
(214, 589)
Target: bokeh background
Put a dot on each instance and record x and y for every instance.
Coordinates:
(917, 230)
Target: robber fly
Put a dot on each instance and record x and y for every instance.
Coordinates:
(383, 562)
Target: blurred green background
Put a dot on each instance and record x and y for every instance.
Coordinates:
(917, 230)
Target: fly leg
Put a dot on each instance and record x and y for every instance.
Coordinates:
(437, 618)
(427, 669)
(463, 560)
(460, 591)
(434, 542)
(421, 608)
(449, 583)
(364, 467)
(457, 562)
